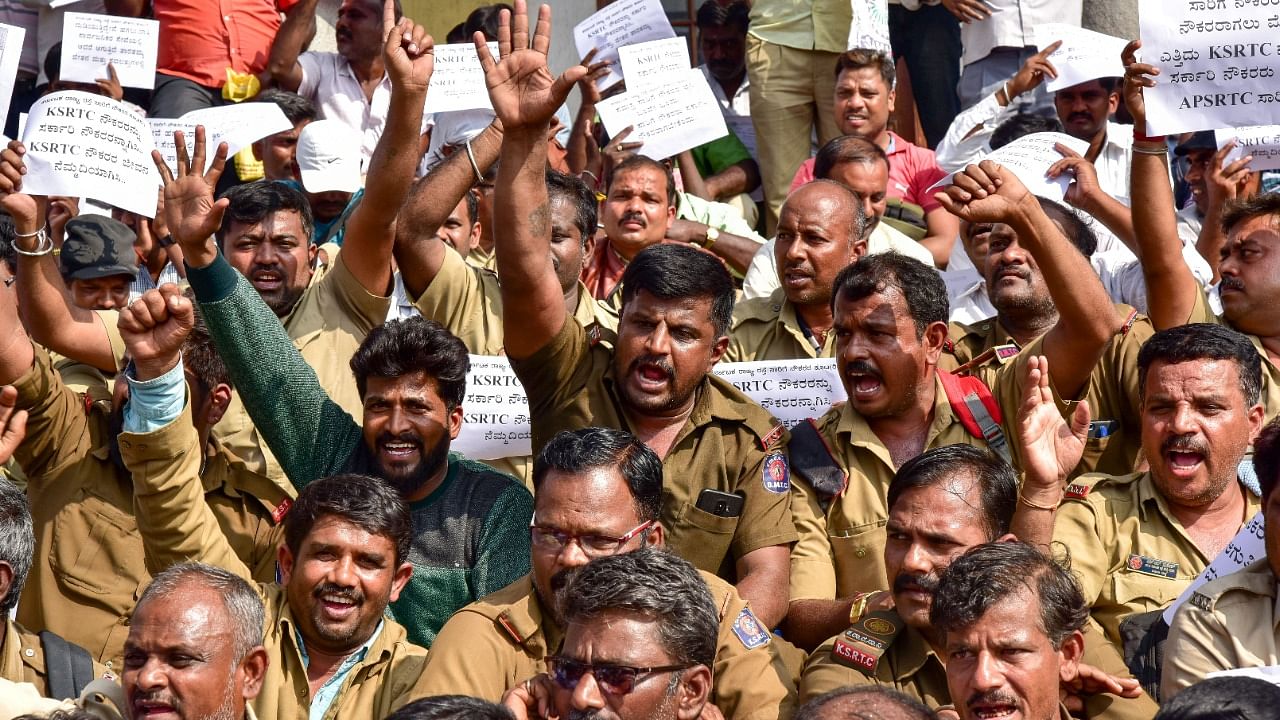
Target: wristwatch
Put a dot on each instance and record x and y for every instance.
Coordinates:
(712, 235)
(167, 241)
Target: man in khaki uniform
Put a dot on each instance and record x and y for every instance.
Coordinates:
(1232, 621)
(890, 324)
(941, 503)
(1138, 540)
(89, 564)
(821, 229)
(725, 507)
(593, 486)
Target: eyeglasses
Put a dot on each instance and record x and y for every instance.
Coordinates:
(551, 539)
(613, 679)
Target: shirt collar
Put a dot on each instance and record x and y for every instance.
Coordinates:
(351, 660)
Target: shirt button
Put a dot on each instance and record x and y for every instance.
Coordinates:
(109, 663)
(29, 652)
(227, 18)
(860, 552)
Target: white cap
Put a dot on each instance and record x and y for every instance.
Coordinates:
(328, 155)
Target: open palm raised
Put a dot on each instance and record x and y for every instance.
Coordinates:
(524, 93)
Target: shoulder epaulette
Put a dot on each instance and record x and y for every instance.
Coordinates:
(865, 642)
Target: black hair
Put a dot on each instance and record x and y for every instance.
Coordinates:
(1242, 209)
(369, 503)
(254, 201)
(484, 19)
(579, 451)
(920, 285)
(1266, 457)
(871, 701)
(669, 272)
(451, 707)
(17, 540)
(655, 584)
(473, 207)
(200, 354)
(713, 13)
(1020, 125)
(457, 34)
(1223, 698)
(400, 347)
(572, 190)
(53, 63)
(997, 481)
(859, 58)
(846, 149)
(641, 161)
(1075, 228)
(1204, 341)
(986, 575)
(294, 106)
(8, 251)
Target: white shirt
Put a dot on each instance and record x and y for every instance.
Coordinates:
(1012, 24)
(762, 276)
(959, 148)
(1189, 225)
(736, 109)
(971, 305)
(330, 83)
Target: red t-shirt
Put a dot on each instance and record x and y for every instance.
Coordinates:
(200, 39)
(912, 171)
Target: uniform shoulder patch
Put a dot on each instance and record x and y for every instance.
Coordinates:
(1200, 600)
(281, 510)
(777, 474)
(773, 436)
(1005, 353)
(749, 630)
(1077, 491)
(865, 642)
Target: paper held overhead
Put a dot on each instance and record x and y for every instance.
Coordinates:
(457, 80)
(669, 118)
(238, 125)
(1029, 157)
(90, 41)
(625, 22)
(1084, 55)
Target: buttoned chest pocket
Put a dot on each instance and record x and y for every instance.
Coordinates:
(858, 555)
(1142, 593)
(703, 538)
(96, 551)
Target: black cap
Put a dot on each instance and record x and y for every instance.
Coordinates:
(97, 246)
(1203, 140)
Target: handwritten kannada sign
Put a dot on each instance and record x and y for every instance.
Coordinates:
(1217, 61)
(1245, 548)
(624, 22)
(1263, 143)
(654, 62)
(870, 26)
(791, 390)
(457, 82)
(669, 118)
(238, 125)
(91, 41)
(86, 145)
(1029, 157)
(1084, 55)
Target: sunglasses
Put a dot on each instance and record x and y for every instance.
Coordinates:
(613, 679)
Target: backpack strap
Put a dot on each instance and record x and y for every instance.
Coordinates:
(973, 404)
(69, 667)
(813, 460)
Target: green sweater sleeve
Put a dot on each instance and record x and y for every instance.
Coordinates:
(504, 542)
(311, 436)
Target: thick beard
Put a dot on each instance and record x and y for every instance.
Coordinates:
(282, 303)
(411, 481)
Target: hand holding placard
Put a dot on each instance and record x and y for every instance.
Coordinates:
(191, 212)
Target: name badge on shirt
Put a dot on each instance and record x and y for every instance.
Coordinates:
(1153, 566)
(865, 642)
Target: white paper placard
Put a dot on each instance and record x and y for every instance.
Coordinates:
(1084, 55)
(10, 53)
(90, 41)
(457, 82)
(624, 22)
(1266, 673)
(870, 26)
(670, 118)
(1217, 64)
(495, 412)
(654, 62)
(1245, 548)
(1263, 143)
(791, 390)
(1029, 157)
(86, 145)
(238, 125)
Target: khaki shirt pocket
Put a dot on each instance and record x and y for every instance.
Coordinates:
(858, 555)
(96, 552)
(705, 539)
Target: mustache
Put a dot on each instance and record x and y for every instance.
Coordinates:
(562, 578)
(404, 437)
(1079, 116)
(633, 215)
(992, 697)
(862, 367)
(1184, 443)
(656, 360)
(349, 594)
(1230, 282)
(276, 268)
(1021, 271)
(905, 582)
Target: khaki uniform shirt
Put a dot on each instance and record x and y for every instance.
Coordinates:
(1230, 622)
(162, 464)
(767, 328)
(1270, 373)
(729, 444)
(841, 550)
(910, 666)
(22, 659)
(327, 325)
(1112, 394)
(494, 644)
(89, 566)
(481, 258)
(1130, 554)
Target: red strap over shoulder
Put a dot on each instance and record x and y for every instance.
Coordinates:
(957, 388)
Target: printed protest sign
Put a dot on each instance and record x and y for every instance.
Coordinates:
(91, 41)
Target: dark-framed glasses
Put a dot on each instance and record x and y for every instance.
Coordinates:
(612, 679)
(593, 545)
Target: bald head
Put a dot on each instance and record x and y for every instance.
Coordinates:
(821, 230)
(864, 702)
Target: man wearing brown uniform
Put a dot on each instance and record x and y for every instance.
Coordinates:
(599, 492)
(726, 507)
(890, 316)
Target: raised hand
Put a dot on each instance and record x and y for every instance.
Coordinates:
(523, 92)
(1226, 182)
(595, 71)
(1085, 186)
(1136, 77)
(986, 192)
(967, 10)
(1034, 71)
(27, 211)
(13, 423)
(1051, 447)
(531, 699)
(154, 327)
(409, 52)
(190, 210)
(1090, 680)
(110, 85)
